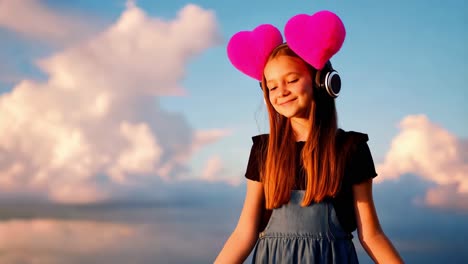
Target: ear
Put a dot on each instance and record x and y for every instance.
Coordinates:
(317, 78)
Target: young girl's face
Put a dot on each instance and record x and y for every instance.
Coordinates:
(290, 86)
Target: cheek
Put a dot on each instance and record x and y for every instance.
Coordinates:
(272, 97)
(272, 100)
(308, 92)
(306, 89)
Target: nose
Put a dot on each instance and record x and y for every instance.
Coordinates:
(283, 90)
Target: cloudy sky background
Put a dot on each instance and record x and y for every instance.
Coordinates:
(125, 131)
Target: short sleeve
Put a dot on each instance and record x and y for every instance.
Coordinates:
(253, 168)
(361, 167)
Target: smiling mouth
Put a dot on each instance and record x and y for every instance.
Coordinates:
(284, 103)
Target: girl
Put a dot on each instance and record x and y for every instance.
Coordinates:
(309, 184)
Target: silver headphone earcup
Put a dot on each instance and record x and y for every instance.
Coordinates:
(332, 83)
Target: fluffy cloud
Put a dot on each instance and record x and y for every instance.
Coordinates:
(215, 171)
(433, 153)
(31, 19)
(447, 195)
(212, 168)
(96, 121)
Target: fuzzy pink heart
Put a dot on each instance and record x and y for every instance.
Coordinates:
(248, 51)
(315, 38)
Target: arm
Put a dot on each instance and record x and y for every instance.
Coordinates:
(245, 235)
(370, 233)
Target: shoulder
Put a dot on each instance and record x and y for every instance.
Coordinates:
(260, 142)
(351, 141)
(256, 158)
(352, 145)
(259, 146)
(261, 138)
(358, 158)
(351, 136)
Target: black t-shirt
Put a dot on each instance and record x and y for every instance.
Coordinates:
(359, 167)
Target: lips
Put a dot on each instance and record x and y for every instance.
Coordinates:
(286, 102)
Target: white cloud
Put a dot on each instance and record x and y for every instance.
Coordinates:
(209, 136)
(215, 171)
(32, 19)
(141, 156)
(447, 195)
(433, 153)
(213, 167)
(96, 121)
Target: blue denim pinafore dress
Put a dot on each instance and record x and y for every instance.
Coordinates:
(305, 235)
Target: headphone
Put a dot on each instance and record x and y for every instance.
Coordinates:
(329, 80)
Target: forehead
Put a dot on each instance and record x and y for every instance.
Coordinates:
(283, 65)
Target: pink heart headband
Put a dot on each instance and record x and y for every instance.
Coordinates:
(314, 38)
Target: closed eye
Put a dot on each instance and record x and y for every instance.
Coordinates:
(293, 81)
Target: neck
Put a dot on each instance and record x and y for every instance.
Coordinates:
(301, 128)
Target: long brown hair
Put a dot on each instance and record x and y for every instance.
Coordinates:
(318, 157)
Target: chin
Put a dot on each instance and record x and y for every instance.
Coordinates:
(288, 114)
(293, 114)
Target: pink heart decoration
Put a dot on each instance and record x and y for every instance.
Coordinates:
(315, 38)
(248, 51)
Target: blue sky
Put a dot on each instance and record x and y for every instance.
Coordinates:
(104, 101)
